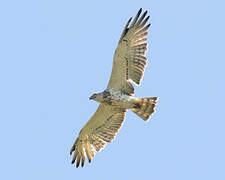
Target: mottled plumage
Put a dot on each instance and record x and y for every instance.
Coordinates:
(129, 63)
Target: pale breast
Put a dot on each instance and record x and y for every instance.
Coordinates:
(117, 98)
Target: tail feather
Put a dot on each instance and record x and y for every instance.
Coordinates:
(145, 107)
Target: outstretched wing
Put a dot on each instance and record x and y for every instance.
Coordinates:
(129, 59)
(98, 131)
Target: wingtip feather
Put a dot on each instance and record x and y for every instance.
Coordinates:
(139, 11)
(78, 161)
(136, 18)
(141, 18)
(72, 149)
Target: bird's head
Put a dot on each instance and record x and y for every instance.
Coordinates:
(97, 97)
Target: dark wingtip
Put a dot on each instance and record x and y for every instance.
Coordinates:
(139, 12)
(72, 149)
(129, 21)
(147, 18)
(144, 14)
(72, 162)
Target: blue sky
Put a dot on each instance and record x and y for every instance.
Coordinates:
(55, 54)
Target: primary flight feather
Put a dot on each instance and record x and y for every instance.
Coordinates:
(129, 63)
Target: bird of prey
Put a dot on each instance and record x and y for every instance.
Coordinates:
(129, 63)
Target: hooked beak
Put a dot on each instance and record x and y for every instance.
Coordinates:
(92, 97)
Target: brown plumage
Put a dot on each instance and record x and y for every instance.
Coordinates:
(145, 107)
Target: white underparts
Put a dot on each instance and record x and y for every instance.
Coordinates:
(120, 99)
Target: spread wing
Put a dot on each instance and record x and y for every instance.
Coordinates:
(129, 59)
(98, 131)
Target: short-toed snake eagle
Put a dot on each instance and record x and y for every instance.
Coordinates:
(129, 63)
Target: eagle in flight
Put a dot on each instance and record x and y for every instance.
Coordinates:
(129, 63)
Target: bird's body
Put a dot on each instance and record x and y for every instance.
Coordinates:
(129, 63)
(116, 98)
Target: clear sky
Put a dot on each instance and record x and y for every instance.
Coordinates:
(55, 54)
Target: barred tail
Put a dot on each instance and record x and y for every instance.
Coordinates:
(145, 107)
